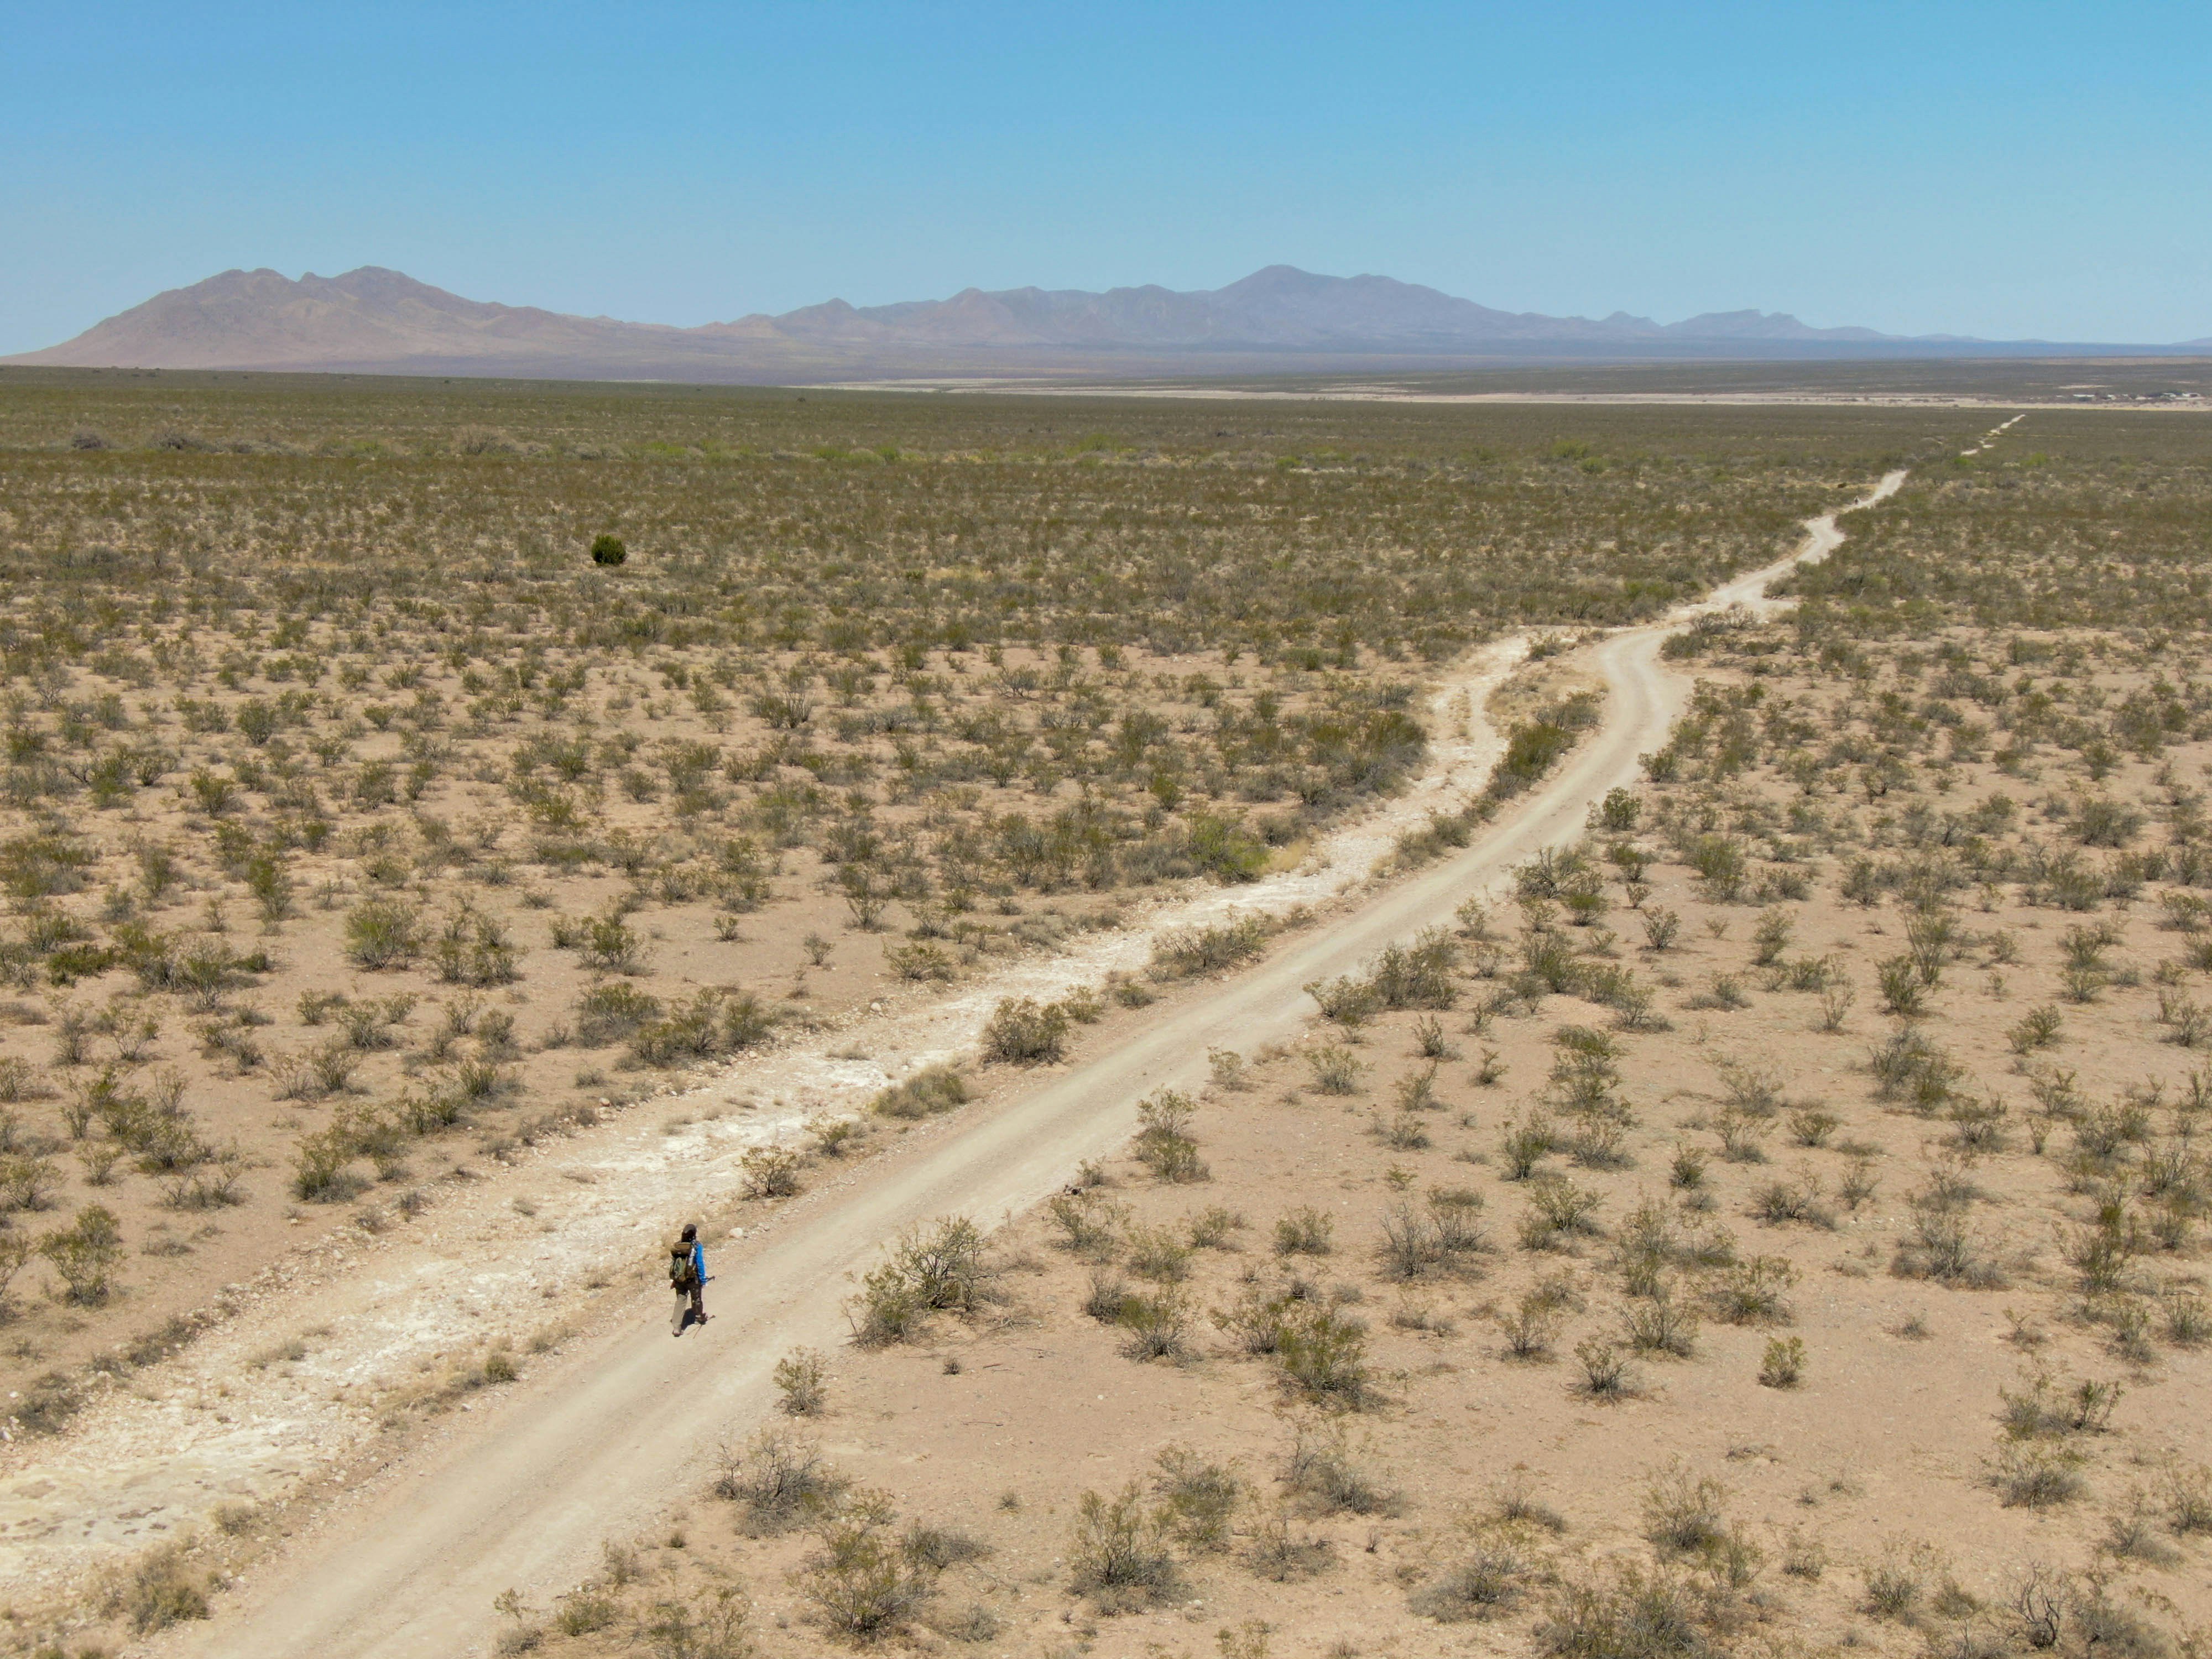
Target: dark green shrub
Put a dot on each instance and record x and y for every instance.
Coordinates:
(382, 933)
(1023, 1032)
(714, 1023)
(1206, 949)
(321, 1169)
(780, 1479)
(160, 1592)
(861, 1583)
(1628, 1616)
(1225, 849)
(933, 1089)
(1165, 1142)
(610, 1012)
(1119, 1554)
(1202, 1498)
(936, 1269)
(1323, 1353)
(85, 1255)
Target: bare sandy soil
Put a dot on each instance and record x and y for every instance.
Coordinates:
(1880, 1484)
(386, 1325)
(1983, 1431)
(328, 1343)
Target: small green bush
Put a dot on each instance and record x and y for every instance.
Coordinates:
(716, 1630)
(715, 1022)
(1783, 1363)
(613, 1011)
(1119, 1554)
(1628, 1614)
(935, 1269)
(1090, 1225)
(1165, 1142)
(1202, 1498)
(768, 1172)
(799, 1381)
(1323, 1353)
(382, 933)
(1322, 1472)
(161, 1591)
(1209, 949)
(1023, 1032)
(1157, 1322)
(85, 1255)
(1488, 1579)
(1304, 1231)
(780, 1479)
(1225, 849)
(861, 1583)
(933, 1089)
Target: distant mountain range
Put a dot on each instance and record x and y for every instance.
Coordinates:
(377, 321)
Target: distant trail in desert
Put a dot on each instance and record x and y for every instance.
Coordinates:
(522, 1494)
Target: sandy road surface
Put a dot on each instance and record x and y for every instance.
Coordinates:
(522, 1495)
(1822, 538)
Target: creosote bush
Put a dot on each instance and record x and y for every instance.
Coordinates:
(800, 1382)
(1630, 1614)
(160, 1589)
(1165, 1142)
(1324, 1472)
(1201, 1497)
(1119, 1553)
(933, 1089)
(860, 1580)
(1489, 1578)
(1783, 1365)
(1023, 1032)
(713, 1628)
(780, 1479)
(942, 1267)
(1321, 1353)
(768, 1172)
(1209, 948)
(714, 1023)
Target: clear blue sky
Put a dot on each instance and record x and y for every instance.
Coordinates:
(2007, 170)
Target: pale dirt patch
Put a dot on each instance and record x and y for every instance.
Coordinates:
(1538, 683)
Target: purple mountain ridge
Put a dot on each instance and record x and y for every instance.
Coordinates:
(380, 321)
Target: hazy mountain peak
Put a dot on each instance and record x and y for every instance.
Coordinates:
(374, 318)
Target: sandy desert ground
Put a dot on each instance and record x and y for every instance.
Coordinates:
(1769, 1221)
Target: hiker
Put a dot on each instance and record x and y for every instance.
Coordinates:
(687, 1277)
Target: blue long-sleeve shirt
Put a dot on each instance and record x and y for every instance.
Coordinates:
(699, 1261)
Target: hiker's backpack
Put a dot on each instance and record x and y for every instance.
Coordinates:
(682, 1272)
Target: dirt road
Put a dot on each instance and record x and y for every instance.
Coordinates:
(524, 1491)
